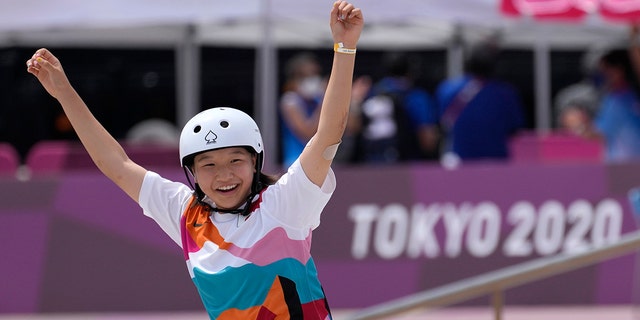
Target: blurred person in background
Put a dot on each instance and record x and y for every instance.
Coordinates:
(576, 119)
(398, 122)
(577, 104)
(299, 104)
(348, 152)
(478, 113)
(154, 131)
(618, 117)
(300, 107)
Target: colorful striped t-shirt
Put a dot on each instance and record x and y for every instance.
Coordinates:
(255, 267)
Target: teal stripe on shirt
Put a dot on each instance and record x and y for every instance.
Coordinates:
(251, 283)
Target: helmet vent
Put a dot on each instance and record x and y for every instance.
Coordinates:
(197, 129)
(224, 123)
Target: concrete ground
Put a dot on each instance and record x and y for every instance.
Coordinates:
(467, 313)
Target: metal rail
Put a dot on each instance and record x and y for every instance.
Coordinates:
(495, 282)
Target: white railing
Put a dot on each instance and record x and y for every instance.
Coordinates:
(495, 282)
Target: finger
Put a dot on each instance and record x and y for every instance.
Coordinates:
(42, 63)
(348, 11)
(34, 57)
(31, 68)
(32, 63)
(355, 13)
(342, 10)
(46, 54)
(334, 12)
(347, 8)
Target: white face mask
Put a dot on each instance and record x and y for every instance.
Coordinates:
(310, 87)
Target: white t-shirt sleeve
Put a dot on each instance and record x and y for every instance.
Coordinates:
(164, 201)
(296, 201)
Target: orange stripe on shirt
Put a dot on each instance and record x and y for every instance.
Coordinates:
(199, 226)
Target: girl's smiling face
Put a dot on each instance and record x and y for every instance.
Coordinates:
(225, 175)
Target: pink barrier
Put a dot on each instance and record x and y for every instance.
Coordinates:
(555, 147)
(50, 157)
(9, 159)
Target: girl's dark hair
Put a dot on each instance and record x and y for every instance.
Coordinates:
(268, 179)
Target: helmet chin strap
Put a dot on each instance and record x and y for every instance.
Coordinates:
(233, 211)
(256, 187)
(244, 211)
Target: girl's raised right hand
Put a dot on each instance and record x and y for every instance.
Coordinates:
(47, 68)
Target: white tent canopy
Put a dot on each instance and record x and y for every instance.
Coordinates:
(270, 24)
(398, 23)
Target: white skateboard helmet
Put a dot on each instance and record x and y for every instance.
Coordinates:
(218, 128)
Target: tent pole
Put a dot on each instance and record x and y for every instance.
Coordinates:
(542, 75)
(266, 78)
(455, 53)
(187, 56)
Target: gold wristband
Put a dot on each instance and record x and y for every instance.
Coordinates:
(339, 47)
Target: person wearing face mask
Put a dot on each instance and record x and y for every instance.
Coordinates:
(299, 112)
